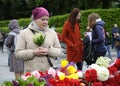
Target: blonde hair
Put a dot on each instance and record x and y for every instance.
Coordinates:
(92, 19)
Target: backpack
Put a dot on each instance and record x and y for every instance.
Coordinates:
(8, 42)
(89, 55)
(16, 35)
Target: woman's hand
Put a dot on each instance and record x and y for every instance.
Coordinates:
(40, 51)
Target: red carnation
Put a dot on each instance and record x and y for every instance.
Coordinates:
(28, 74)
(117, 64)
(110, 82)
(97, 84)
(91, 75)
(117, 78)
(112, 69)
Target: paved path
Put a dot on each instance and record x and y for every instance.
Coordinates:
(4, 69)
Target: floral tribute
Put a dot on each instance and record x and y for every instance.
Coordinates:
(38, 39)
(65, 75)
(102, 73)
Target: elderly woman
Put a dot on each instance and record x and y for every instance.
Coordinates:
(16, 64)
(38, 57)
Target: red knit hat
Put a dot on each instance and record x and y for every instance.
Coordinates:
(39, 12)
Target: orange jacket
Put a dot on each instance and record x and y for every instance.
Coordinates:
(73, 42)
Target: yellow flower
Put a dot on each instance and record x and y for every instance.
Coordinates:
(73, 76)
(71, 69)
(61, 75)
(64, 63)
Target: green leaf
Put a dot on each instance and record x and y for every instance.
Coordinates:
(6, 83)
(38, 39)
(22, 82)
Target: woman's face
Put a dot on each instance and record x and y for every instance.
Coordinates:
(78, 16)
(42, 22)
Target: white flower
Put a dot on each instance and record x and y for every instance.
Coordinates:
(103, 61)
(93, 66)
(80, 74)
(102, 73)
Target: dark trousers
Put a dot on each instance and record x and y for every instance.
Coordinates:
(113, 43)
(79, 65)
(98, 54)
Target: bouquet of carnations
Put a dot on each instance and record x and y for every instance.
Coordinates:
(102, 73)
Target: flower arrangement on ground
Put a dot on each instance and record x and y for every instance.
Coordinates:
(103, 74)
(65, 75)
(99, 74)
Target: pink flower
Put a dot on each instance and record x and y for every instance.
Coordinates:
(36, 74)
(52, 71)
(25, 77)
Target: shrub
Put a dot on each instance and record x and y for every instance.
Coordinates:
(110, 16)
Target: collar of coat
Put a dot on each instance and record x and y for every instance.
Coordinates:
(34, 27)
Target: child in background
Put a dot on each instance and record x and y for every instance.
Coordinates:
(86, 42)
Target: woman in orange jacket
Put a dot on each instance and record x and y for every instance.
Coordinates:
(72, 38)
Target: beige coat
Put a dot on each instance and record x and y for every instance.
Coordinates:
(25, 47)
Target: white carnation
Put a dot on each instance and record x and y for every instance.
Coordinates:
(102, 73)
(103, 61)
(80, 74)
(93, 66)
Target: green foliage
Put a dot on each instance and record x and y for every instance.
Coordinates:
(38, 39)
(31, 81)
(4, 23)
(23, 8)
(57, 21)
(4, 29)
(6, 83)
(110, 16)
(58, 29)
(24, 21)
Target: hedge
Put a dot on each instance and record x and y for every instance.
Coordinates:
(110, 16)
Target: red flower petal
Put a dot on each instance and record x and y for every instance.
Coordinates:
(28, 74)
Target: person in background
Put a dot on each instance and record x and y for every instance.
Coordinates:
(107, 44)
(98, 35)
(1, 42)
(16, 64)
(86, 42)
(89, 32)
(72, 38)
(38, 57)
(115, 30)
(117, 44)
